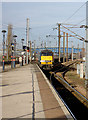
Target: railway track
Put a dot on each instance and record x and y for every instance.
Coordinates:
(83, 99)
(75, 102)
(61, 79)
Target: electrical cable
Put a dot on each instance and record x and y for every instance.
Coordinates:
(75, 12)
(76, 35)
(83, 20)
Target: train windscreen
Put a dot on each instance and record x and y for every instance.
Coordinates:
(46, 54)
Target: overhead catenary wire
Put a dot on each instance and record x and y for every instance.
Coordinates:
(71, 36)
(83, 20)
(74, 13)
(76, 35)
(72, 31)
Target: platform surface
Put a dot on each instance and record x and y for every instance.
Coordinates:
(26, 93)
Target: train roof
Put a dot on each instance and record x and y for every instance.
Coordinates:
(45, 51)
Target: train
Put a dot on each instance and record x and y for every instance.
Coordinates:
(46, 59)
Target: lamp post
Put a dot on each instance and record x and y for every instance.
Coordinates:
(22, 50)
(3, 31)
(72, 51)
(86, 55)
(34, 50)
(12, 50)
(14, 55)
(30, 51)
(59, 36)
(33, 46)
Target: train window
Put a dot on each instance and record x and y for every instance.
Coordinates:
(46, 54)
(49, 54)
(43, 54)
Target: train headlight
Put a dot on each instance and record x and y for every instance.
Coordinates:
(42, 60)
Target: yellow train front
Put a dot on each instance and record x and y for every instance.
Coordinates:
(46, 59)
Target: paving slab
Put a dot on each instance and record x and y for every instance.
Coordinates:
(27, 94)
(52, 104)
(18, 88)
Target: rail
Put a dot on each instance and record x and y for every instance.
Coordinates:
(83, 99)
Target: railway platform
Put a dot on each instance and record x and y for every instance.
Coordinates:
(27, 94)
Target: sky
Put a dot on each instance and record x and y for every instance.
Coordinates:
(43, 0)
(43, 17)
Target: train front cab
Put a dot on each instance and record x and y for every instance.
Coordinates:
(46, 60)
